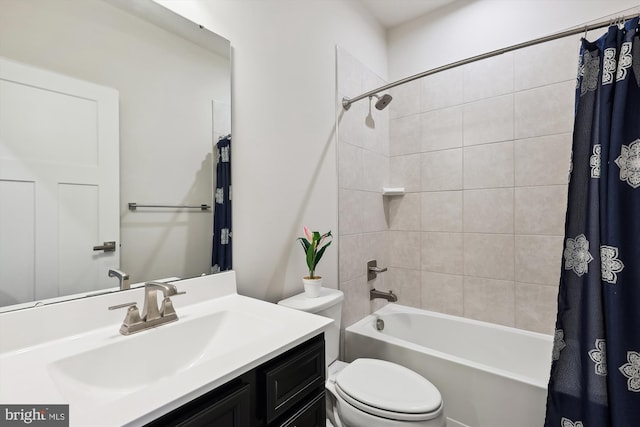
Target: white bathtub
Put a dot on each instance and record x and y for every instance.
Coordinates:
(489, 375)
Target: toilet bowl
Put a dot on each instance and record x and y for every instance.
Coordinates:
(369, 392)
(377, 393)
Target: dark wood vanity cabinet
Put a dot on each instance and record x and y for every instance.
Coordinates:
(286, 391)
(289, 379)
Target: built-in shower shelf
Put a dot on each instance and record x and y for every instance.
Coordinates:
(392, 191)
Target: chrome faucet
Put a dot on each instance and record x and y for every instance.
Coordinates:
(123, 278)
(152, 316)
(389, 296)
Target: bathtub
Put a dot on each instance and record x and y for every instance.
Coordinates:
(489, 375)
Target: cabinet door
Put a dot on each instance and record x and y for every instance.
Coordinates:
(290, 379)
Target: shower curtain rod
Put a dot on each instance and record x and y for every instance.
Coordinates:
(346, 102)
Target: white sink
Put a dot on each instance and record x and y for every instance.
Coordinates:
(133, 362)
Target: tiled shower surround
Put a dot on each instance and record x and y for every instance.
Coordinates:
(483, 153)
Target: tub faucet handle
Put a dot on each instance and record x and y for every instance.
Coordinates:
(373, 269)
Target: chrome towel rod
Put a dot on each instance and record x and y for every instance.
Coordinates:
(133, 206)
(346, 102)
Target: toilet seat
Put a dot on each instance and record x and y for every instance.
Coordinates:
(388, 390)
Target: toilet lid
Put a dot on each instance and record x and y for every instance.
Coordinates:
(387, 386)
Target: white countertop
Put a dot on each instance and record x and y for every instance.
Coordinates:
(28, 366)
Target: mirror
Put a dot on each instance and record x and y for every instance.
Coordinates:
(172, 81)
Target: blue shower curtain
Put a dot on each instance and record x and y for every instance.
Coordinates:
(221, 251)
(595, 371)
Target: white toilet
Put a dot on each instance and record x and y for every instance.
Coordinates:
(369, 392)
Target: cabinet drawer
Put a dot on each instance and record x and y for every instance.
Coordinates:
(292, 377)
(230, 411)
(228, 406)
(313, 414)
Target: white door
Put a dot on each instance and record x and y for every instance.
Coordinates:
(59, 184)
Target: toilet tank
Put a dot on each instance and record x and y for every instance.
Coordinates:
(328, 304)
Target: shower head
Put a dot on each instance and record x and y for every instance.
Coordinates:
(383, 101)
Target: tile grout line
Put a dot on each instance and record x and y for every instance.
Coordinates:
(513, 166)
(462, 132)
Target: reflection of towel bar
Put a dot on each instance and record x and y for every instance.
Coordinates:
(133, 206)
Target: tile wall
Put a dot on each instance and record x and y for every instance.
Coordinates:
(483, 152)
(363, 169)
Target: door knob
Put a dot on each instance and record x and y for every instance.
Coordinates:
(106, 246)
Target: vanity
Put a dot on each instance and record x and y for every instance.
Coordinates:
(228, 360)
(285, 391)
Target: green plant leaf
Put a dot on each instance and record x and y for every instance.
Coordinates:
(305, 244)
(320, 253)
(313, 253)
(310, 258)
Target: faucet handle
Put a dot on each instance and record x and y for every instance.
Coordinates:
(131, 318)
(166, 307)
(373, 269)
(126, 304)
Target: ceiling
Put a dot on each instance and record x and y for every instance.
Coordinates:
(395, 12)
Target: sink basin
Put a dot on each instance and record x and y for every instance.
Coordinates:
(130, 363)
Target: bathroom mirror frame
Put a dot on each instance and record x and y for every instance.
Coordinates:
(176, 27)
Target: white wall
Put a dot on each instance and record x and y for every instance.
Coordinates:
(467, 28)
(283, 116)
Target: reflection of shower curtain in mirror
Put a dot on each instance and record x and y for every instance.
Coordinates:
(595, 374)
(221, 252)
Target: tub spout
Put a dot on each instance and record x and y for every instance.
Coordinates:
(389, 296)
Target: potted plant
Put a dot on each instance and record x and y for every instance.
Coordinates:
(314, 244)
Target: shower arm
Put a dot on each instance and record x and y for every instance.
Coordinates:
(346, 102)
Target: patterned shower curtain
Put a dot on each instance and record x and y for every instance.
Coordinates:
(221, 252)
(595, 372)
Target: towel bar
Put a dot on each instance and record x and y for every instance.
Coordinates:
(133, 206)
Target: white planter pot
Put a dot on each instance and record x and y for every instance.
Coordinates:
(312, 286)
